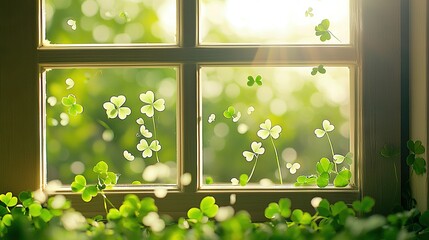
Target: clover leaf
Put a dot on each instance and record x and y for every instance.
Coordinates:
(298, 216)
(79, 183)
(195, 214)
(8, 199)
(323, 180)
(293, 167)
(209, 207)
(266, 130)
(100, 168)
(322, 30)
(282, 208)
(257, 150)
(417, 163)
(243, 179)
(343, 178)
(319, 69)
(324, 166)
(114, 107)
(364, 206)
(309, 12)
(89, 192)
(305, 180)
(70, 102)
(230, 112)
(251, 81)
(147, 149)
(152, 105)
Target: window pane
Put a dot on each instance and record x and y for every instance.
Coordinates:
(110, 21)
(236, 105)
(273, 21)
(125, 117)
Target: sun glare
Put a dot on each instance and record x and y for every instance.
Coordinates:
(271, 21)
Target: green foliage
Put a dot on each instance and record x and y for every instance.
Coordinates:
(251, 81)
(322, 30)
(415, 161)
(73, 107)
(138, 219)
(319, 69)
(309, 12)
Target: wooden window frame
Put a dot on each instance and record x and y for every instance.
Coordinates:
(376, 53)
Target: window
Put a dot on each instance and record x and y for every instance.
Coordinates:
(365, 58)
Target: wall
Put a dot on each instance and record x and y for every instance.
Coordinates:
(419, 91)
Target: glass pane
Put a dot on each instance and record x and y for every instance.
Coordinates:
(274, 21)
(125, 117)
(257, 120)
(110, 21)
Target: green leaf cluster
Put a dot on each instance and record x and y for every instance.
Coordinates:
(319, 69)
(208, 208)
(106, 180)
(414, 160)
(73, 107)
(322, 30)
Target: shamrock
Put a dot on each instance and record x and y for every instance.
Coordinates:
(309, 12)
(293, 167)
(231, 113)
(322, 30)
(70, 102)
(266, 130)
(114, 107)
(319, 69)
(257, 149)
(327, 127)
(251, 81)
(149, 98)
(147, 149)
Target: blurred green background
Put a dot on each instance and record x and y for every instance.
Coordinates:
(290, 96)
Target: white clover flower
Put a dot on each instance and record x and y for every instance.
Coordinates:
(257, 149)
(266, 130)
(327, 127)
(114, 107)
(147, 149)
(152, 105)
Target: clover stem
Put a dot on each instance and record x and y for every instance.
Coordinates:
(108, 201)
(332, 151)
(278, 163)
(334, 36)
(253, 169)
(156, 138)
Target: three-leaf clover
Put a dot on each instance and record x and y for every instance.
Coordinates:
(322, 30)
(327, 127)
(417, 163)
(309, 12)
(266, 130)
(114, 107)
(70, 102)
(152, 105)
(147, 149)
(8, 199)
(257, 149)
(319, 69)
(251, 81)
(232, 113)
(293, 167)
